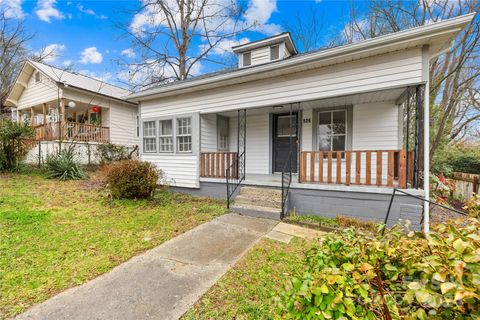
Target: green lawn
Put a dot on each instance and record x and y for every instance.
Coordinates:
(247, 290)
(55, 235)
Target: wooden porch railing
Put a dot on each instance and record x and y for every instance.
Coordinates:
(366, 167)
(72, 131)
(214, 164)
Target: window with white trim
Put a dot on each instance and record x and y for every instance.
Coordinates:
(166, 135)
(149, 136)
(223, 133)
(184, 134)
(332, 130)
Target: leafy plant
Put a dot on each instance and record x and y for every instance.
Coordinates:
(441, 189)
(396, 276)
(63, 165)
(132, 179)
(109, 152)
(473, 206)
(13, 144)
(457, 158)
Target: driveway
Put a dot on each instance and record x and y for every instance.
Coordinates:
(162, 283)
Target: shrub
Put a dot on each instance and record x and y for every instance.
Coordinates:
(132, 179)
(473, 206)
(457, 158)
(63, 165)
(109, 152)
(397, 276)
(13, 148)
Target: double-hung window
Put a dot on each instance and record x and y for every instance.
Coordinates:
(184, 134)
(149, 136)
(332, 130)
(222, 127)
(166, 135)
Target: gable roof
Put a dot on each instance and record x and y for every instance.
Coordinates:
(80, 81)
(438, 36)
(66, 78)
(282, 37)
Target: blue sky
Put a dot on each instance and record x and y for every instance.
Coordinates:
(85, 34)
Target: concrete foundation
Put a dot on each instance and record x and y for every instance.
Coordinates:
(330, 203)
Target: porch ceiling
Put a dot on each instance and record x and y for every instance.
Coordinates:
(361, 98)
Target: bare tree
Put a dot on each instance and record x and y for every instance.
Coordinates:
(13, 43)
(163, 31)
(307, 30)
(454, 75)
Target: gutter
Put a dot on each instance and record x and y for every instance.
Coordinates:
(447, 26)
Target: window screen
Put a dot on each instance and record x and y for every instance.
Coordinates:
(223, 133)
(247, 59)
(166, 135)
(274, 52)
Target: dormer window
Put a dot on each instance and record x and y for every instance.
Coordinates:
(274, 52)
(247, 59)
(37, 77)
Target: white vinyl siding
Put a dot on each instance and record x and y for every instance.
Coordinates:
(179, 169)
(122, 122)
(37, 93)
(260, 55)
(369, 74)
(375, 126)
(208, 132)
(258, 142)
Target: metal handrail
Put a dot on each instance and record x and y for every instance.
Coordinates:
(395, 190)
(234, 176)
(286, 182)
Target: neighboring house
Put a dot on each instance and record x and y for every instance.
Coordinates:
(66, 106)
(335, 119)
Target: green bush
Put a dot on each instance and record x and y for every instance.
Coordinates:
(132, 179)
(63, 165)
(396, 276)
(109, 152)
(458, 158)
(13, 146)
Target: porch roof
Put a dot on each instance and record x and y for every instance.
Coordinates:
(437, 35)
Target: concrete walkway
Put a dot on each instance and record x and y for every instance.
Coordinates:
(162, 283)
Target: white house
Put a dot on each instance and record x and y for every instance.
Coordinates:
(328, 129)
(67, 106)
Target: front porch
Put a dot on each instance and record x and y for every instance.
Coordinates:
(67, 120)
(329, 142)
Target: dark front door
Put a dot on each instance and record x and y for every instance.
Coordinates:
(285, 139)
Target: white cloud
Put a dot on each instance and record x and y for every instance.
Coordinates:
(259, 13)
(82, 9)
(128, 53)
(104, 76)
(12, 8)
(67, 63)
(225, 46)
(51, 52)
(91, 55)
(46, 10)
(90, 12)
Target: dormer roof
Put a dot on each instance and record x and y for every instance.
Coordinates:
(279, 38)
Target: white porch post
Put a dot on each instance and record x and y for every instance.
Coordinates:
(426, 139)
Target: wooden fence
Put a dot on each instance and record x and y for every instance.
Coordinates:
(466, 184)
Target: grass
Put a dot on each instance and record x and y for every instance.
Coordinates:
(55, 235)
(247, 291)
(339, 222)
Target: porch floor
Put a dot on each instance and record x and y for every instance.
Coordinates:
(275, 180)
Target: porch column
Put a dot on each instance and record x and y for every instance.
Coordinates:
(32, 117)
(62, 119)
(426, 137)
(44, 111)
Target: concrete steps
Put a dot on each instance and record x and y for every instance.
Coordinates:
(258, 202)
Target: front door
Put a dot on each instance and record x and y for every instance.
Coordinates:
(285, 139)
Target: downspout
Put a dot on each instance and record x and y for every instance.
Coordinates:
(426, 137)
